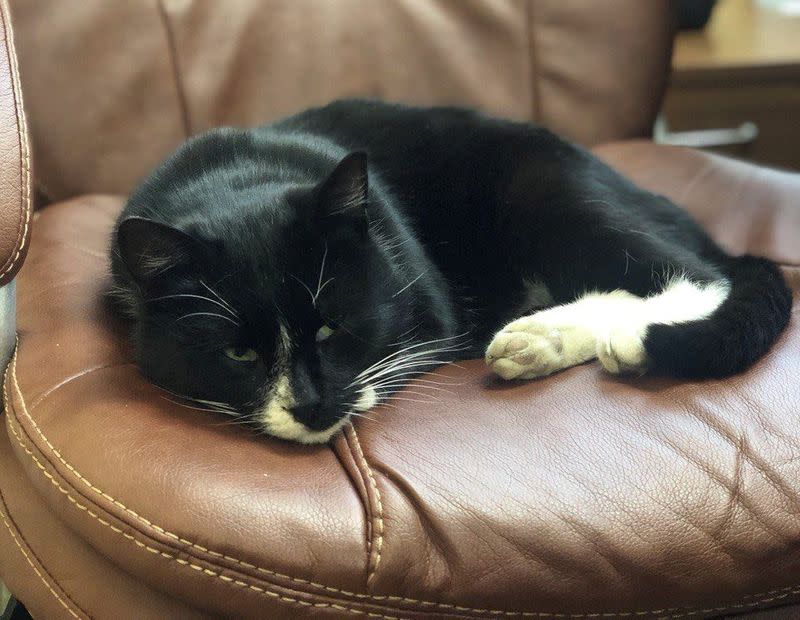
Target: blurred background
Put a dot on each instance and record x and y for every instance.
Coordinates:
(112, 87)
(735, 85)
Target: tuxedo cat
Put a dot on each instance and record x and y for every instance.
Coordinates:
(300, 273)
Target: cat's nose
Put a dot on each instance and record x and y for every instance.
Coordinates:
(306, 412)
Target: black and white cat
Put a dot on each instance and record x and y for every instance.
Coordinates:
(299, 273)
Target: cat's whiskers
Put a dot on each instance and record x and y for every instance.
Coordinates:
(409, 336)
(402, 385)
(185, 406)
(422, 358)
(392, 397)
(409, 284)
(305, 286)
(401, 365)
(360, 415)
(216, 314)
(320, 284)
(391, 356)
(432, 382)
(217, 404)
(222, 301)
(413, 375)
(210, 408)
(402, 393)
(390, 378)
(201, 297)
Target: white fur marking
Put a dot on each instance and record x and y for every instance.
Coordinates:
(610, 326)
(285, 350)
(277, 419)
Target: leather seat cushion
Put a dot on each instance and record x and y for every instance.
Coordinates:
(574, 495)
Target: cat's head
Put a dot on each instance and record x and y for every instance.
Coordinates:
(272, 300)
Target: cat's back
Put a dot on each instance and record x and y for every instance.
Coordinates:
(380, 126)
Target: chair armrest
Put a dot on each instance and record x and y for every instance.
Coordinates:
(15, 183)
(15, 166)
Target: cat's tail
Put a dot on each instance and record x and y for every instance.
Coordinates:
(741, 329)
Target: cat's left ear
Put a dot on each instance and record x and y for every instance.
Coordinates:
(343, 195)
(150, 249)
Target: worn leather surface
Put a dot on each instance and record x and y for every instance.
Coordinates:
(28, 526)
(572, 496)
(112, 87)
(15, 165)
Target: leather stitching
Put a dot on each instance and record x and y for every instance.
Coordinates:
(24, 155)
(168, 556)
(674, 612)
(3, 512)
(376, 531)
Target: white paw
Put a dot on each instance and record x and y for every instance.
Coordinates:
(526, 349)
(621, 351)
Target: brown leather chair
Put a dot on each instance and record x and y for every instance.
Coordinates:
(581, 495)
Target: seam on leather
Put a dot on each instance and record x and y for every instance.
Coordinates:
(171, 557)
(21, 544)
(533, 58)
(376, 515)
(675, 612)
(22, 133)
(345, 455)
(183, 105)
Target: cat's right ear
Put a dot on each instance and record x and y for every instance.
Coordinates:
(150, 249)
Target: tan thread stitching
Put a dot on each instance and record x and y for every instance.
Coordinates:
(377, 530)
(771, 595)
(168, 556)
(25, 168)
(34, 567)
(13, 373)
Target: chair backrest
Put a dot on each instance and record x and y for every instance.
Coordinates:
(112, 87)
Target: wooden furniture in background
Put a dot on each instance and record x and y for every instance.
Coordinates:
(741, 75)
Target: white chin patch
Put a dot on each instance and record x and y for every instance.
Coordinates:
(281, 423)
(277, 419)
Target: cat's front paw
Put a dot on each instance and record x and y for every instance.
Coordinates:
(622, 351)
(525, 349)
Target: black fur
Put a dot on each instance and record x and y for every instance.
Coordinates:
(428, 237)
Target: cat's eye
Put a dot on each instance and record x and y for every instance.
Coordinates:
(241, 354)
(324, 332)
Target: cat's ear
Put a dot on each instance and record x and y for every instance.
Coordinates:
(150, 249)
(343, 195)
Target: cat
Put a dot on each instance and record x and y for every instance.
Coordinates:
(297, 274)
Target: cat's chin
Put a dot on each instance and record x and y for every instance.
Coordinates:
(280, 423)
(276, 418)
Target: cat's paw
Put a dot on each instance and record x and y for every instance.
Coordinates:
(526, 349)
(622, 351)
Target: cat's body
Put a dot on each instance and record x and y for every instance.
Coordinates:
(283, 276)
